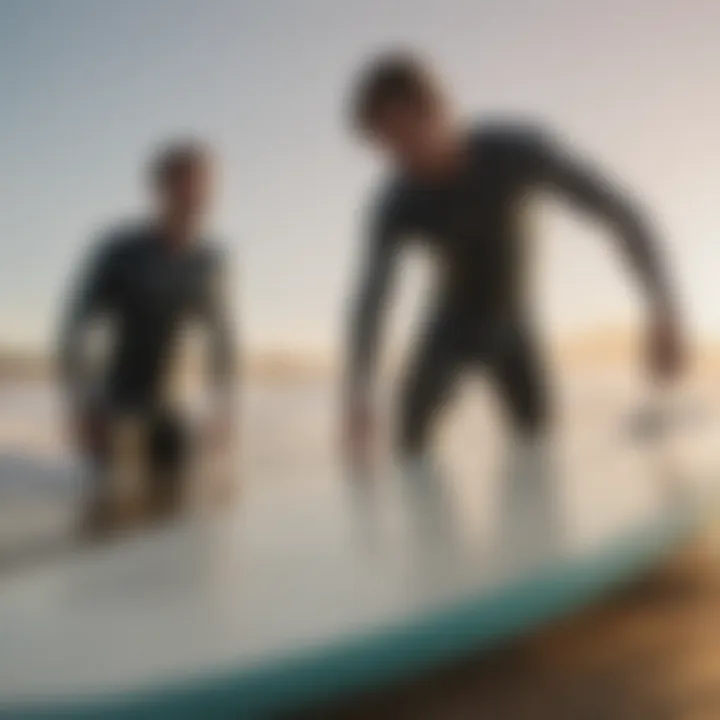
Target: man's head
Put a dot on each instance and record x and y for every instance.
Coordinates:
(182, 177)
(400, 107)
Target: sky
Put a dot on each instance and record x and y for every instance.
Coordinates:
(88, 87)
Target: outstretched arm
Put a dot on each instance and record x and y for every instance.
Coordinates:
(587, 188)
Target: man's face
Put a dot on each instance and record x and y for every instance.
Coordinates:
(412, 136)
(189, 194)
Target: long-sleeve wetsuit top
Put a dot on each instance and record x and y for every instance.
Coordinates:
(147, 290)
(474, 225)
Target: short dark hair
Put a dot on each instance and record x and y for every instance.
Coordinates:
(393, 77)
(175, 159)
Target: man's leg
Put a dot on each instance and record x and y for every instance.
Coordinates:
(428, 385)
(530, 516)
(116, 456)
(170, 454)
(520, 376)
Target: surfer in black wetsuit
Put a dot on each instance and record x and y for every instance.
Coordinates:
(463, 191)
(148, 280)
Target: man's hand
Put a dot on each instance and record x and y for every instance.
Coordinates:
(88, 430)
(666, 350)
(359, 433)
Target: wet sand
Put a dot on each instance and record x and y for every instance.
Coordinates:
(650, 653)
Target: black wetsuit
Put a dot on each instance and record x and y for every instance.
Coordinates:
(147, 290)
(474, 224)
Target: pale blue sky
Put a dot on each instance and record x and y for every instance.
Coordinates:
(88, 86)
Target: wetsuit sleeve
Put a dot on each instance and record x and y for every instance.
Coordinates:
(587, 188)
(90, 297)
(366, 314)
(218, 316)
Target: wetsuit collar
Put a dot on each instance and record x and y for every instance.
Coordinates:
(160, 234)
(454, 167)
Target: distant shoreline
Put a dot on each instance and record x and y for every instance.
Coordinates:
(600, 348)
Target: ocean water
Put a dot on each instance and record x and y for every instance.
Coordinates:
(305, 557)
(290, 437)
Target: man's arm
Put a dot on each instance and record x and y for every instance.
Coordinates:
(585, 187)
(89, 298)
(375, 281)
(366, 315)
(218, 317)
(588, 189)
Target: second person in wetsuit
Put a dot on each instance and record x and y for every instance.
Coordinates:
(147, 281)
(462, 191)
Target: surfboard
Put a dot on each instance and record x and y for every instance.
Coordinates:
(322, 584)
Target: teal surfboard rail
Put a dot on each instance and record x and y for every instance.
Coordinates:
(352, 664)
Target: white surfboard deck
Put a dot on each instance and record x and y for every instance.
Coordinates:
(312, 586)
